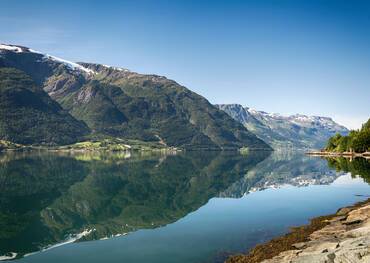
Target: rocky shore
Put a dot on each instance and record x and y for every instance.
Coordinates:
(343, 237)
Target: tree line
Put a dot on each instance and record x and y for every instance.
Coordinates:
(356, 141)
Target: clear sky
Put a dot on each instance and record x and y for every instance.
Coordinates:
(309, 57)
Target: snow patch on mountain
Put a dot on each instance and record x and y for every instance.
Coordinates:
(300, 119)
(116, 68)
(298, 131)
(11, 48)
(69, 64)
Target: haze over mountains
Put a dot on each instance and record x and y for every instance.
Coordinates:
(298, 131)
(98, 100)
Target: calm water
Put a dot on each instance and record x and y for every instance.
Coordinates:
(193, 207)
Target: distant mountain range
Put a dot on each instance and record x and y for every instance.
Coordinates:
(298, 131)
(48, 100)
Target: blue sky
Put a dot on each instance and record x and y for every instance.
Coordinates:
(309, 57)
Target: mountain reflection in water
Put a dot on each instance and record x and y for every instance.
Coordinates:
(49, 199)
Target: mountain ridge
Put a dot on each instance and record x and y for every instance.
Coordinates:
(297, 130)
(119, 103)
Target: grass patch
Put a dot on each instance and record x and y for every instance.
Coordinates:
(7, 145)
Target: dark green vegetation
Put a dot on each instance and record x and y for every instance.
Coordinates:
(357, 141)
(357, 166)
(28, 115)
(121, 104)
(295, 131)
(46, 198)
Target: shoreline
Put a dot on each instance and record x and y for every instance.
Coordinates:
(104, 145)
(107, 145)
(339, 154)
(343, 235)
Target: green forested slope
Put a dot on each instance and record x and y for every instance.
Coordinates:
(118, 103)
(357, 141)
(29, 116)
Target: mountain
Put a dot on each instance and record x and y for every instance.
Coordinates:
(123, 104)
(28, 115)
(298, 131)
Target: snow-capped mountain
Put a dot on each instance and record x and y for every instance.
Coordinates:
(297, 130)
(69, 64)
(96, 99)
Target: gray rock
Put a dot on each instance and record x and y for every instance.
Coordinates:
(342, 241)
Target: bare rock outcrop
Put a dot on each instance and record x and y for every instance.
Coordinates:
(346, 239)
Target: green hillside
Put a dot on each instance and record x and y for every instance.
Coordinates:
(29, 116)
(118, 103)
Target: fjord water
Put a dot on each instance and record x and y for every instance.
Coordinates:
(188, 207)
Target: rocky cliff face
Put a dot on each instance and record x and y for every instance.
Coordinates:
(298, 131)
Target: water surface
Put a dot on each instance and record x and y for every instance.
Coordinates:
(193, 207)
